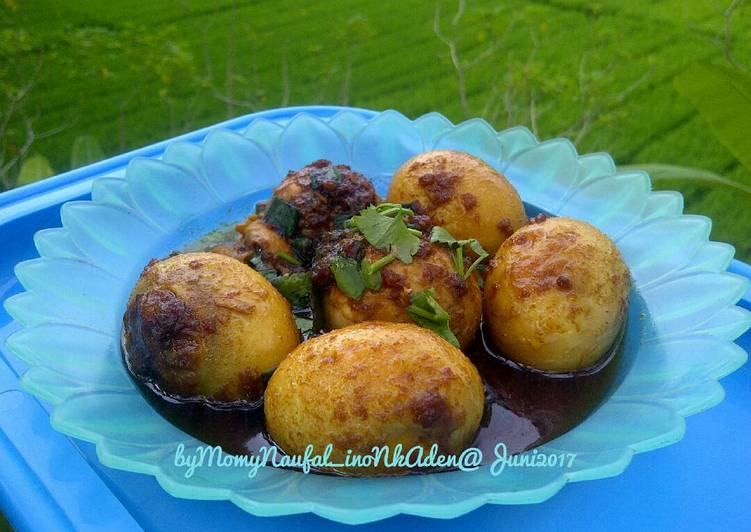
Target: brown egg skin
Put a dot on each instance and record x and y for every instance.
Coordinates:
(204, 324)
(374, 384)
(461, 193)
(556, 295)
(431, 268)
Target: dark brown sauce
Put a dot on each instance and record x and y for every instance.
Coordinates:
(524, 407)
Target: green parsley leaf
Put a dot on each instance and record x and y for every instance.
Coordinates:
(426, 312)
(384, 228)
(393, 209)
(289, 259)
(348, 277)
(296, 287)
(370, 276)
(371, 273)
(442, 236)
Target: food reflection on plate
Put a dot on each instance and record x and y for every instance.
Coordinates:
(440, 316)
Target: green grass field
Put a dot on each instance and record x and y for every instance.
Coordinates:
(602, 73)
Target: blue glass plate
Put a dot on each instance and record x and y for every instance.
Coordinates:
(683, 316)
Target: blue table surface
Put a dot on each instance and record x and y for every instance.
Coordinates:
(51, 482)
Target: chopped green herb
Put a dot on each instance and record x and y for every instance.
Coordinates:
(261, 267)
(384, 228)
(426, 312)
(442, 236)
(371, 277)
(319, 180)
(307, 320)
(282, 215)
(340, 220)
(286, 257)
(380, 263)
(304, 248)
(393, 209)
(332, 174)
(459, 260)
(371, 273)
(348, 277)
(296, 287)
(304, 324)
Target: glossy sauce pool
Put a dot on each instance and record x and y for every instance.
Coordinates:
(524, 408)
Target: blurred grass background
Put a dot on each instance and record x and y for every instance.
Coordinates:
(86, 83)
